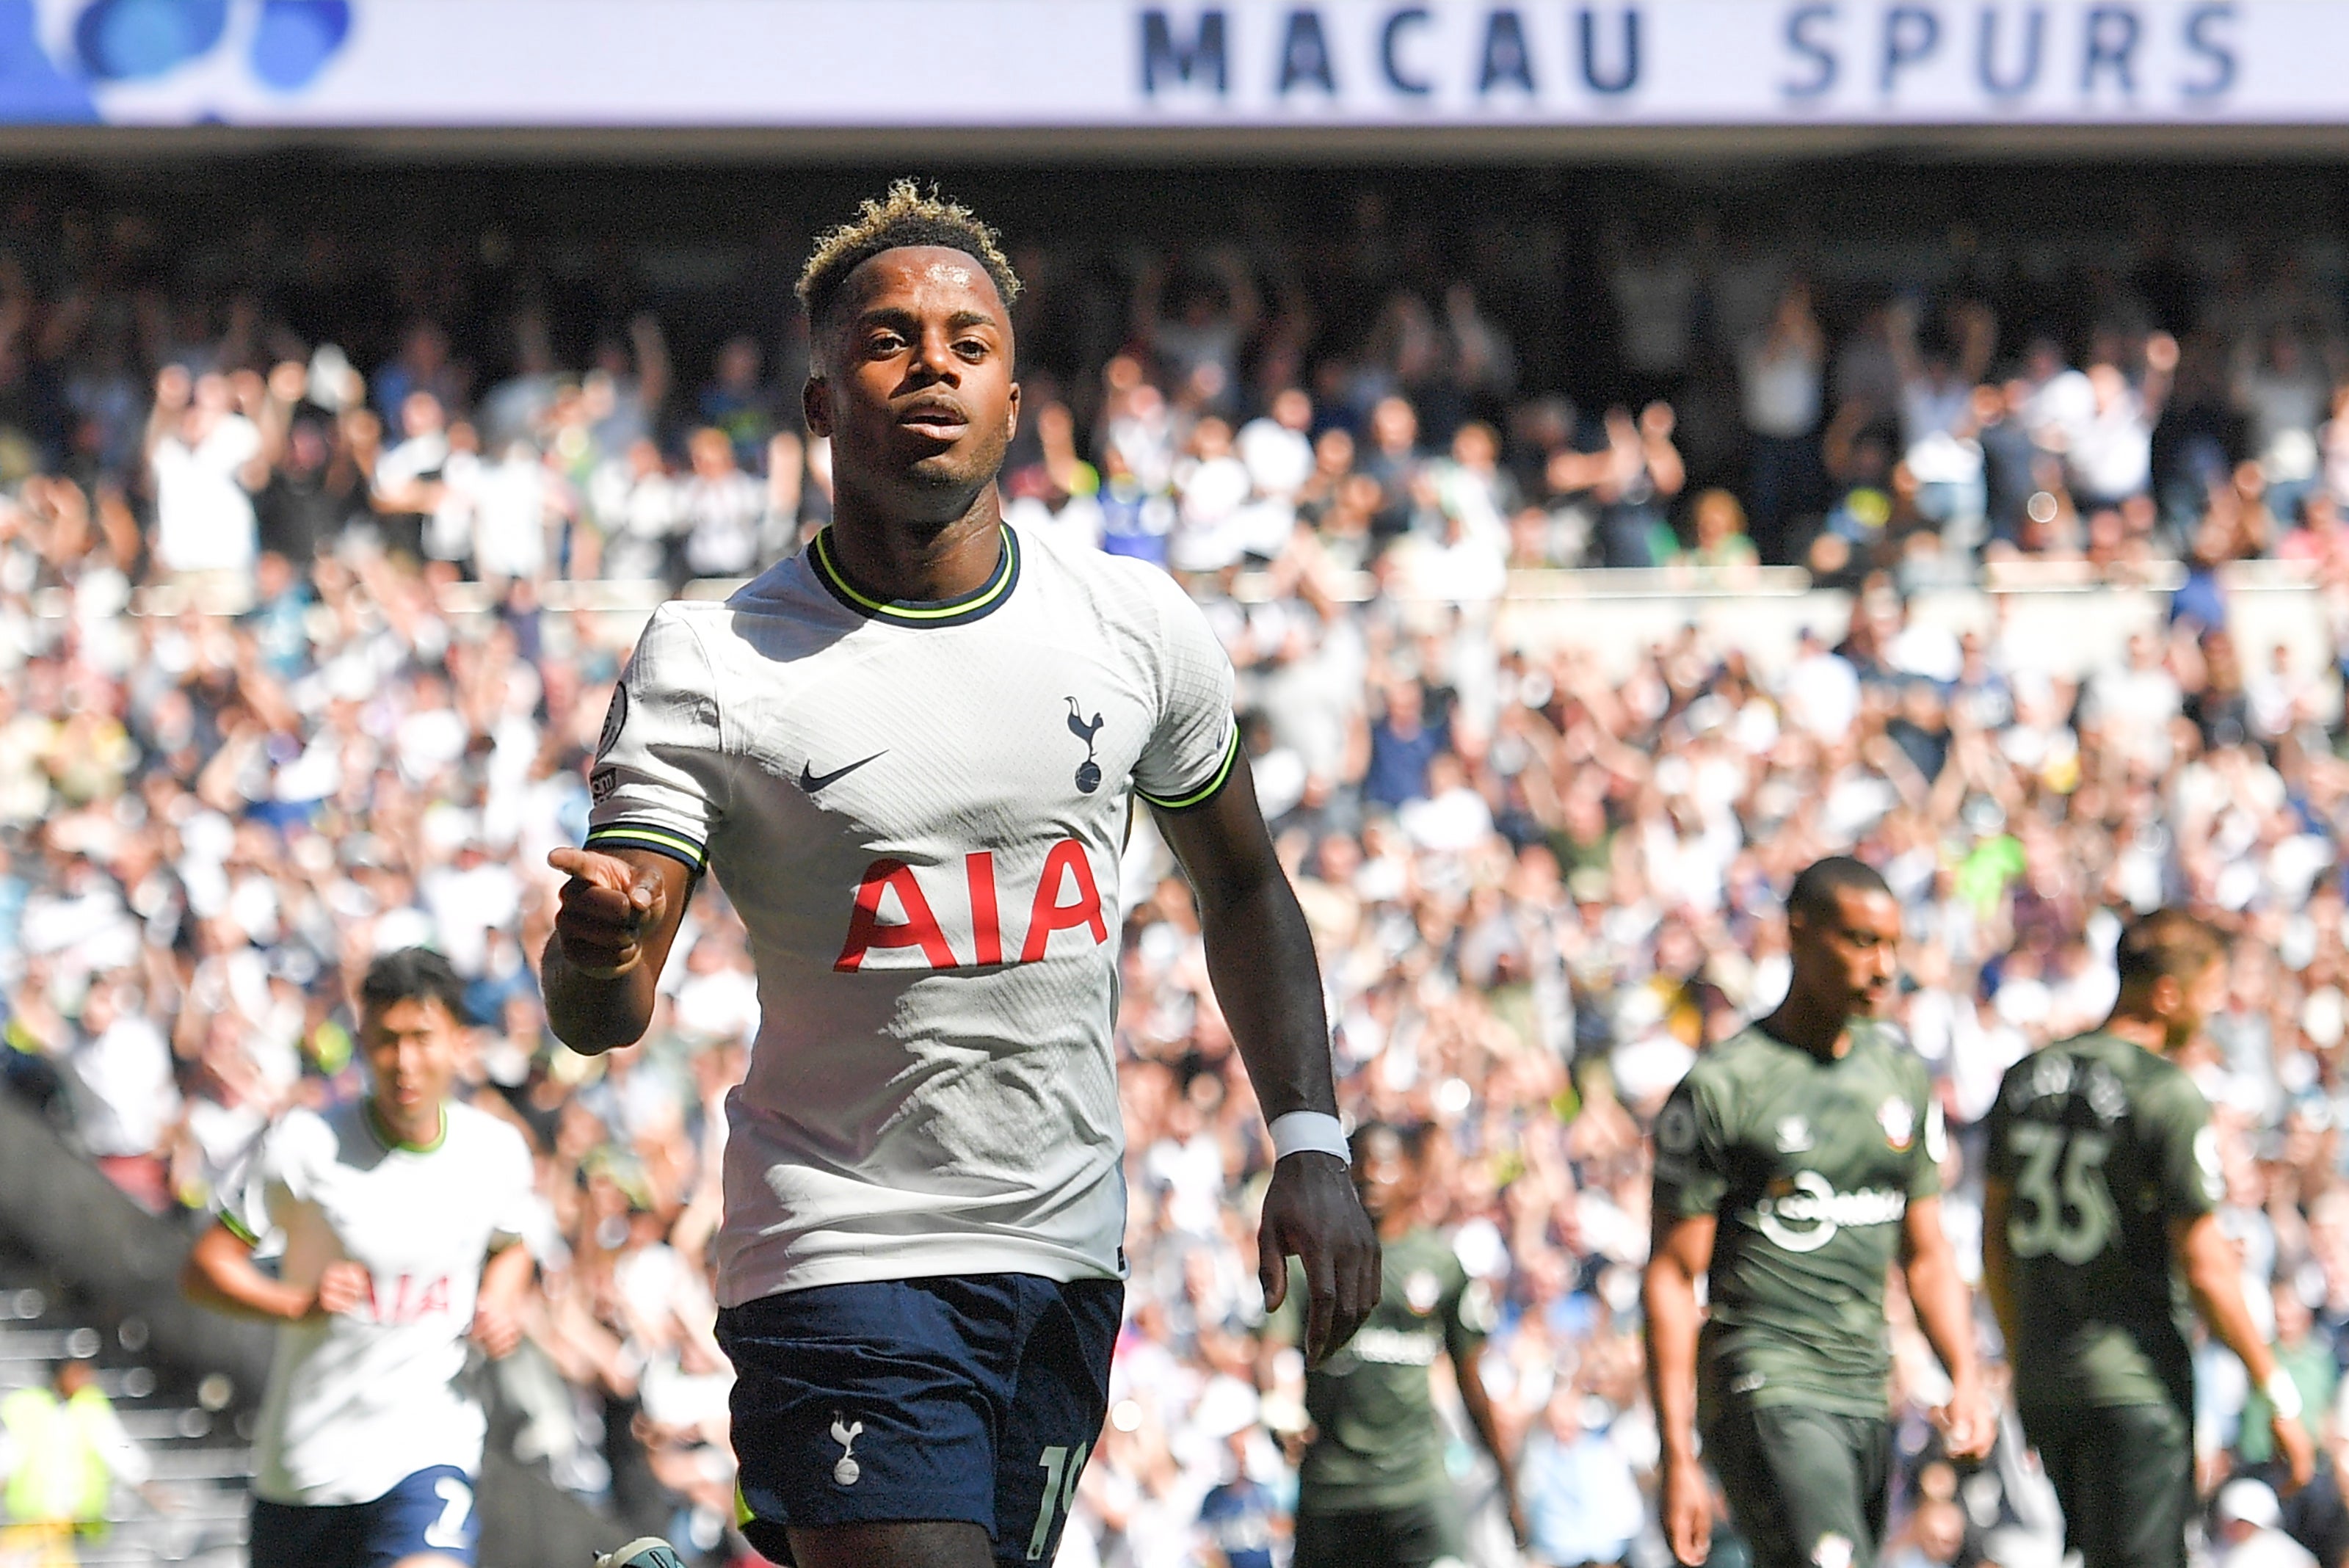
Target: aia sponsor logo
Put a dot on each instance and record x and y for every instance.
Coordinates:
(893, 910)
(398, 1300)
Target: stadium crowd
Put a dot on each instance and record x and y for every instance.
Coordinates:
(1538, 886)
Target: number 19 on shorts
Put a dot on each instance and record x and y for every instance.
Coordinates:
(1061, 1467)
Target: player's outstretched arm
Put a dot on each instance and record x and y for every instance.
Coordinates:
(2214, 1274)
(219, 1275)
(1945, 1310)
(620, 911)
(1260, 960)
(1677, 1259)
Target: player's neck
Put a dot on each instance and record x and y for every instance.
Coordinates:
(893, 560)
(418, 1132)
(2138, 1029)
(1806, 1023)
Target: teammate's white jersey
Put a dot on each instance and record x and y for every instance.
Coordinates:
(917, 810)
(358, 1401)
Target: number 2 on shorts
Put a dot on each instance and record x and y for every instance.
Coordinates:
(447, 1533)
(1061, 1467)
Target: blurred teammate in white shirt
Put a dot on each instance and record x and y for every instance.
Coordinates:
(394, 1221)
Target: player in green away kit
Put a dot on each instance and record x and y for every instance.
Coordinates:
(1372, 1491)
(1794, 1164)
(2097, 1225)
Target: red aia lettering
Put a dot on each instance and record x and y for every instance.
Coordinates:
(405, 1303)
(984, 923)
(919, 928)
(1048, 914)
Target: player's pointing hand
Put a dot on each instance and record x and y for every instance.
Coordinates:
(607, 906)
(1312, 1212)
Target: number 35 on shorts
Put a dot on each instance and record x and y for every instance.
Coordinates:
(1061, 1467)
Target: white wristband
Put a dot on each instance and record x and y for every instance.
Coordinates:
(1313, 1132)
(2283, 1394)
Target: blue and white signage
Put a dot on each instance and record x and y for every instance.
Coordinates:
(1194, 63)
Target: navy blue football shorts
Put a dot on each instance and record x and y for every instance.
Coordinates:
(430, 1511)
(971, 1397)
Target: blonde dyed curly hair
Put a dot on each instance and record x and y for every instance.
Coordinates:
(905, 217)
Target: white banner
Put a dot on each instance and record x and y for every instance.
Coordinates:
(1127, 63)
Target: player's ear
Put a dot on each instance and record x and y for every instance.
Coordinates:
(1011, 416)
(2167, 995)
(815, 406)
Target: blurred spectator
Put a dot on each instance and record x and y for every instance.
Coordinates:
(1582, 1501)
(207, 457)
(1721, 544)
(1782, 370)
(62, 1452)
(739, 402)
(720, 510)
(1642, 473)
(2250, 1532)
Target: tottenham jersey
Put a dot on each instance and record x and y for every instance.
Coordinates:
(361, 1400)
(917, 811)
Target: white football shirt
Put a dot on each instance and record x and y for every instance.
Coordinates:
(917, 810)
(359, 1401)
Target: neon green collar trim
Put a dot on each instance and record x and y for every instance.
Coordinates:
(392, 1144)
(986, 597)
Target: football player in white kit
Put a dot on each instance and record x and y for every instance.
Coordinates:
(910, 753)
(395, 1220)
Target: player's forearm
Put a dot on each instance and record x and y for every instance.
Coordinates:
(1668, 1297)
(219, 1275)
(1944, 1310)
(1260, 959)
(507, 1274)
(2214, 1278)
(268, 1302)
(1478, 1402)
(592, 1014)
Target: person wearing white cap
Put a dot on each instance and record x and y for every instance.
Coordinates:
(2251, 1531)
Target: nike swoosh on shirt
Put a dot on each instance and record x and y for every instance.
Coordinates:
(813, 781)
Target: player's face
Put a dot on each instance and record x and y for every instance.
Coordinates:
(2206, 996)
(411, 1049)
(1854, 951)
(1383, 1176)
(915, 387)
